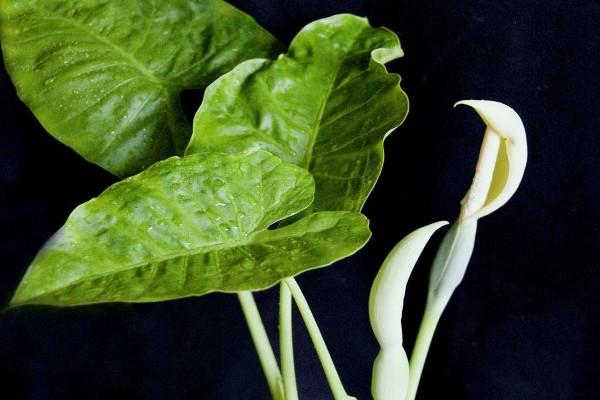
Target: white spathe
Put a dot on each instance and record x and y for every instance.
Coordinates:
(502, 159)
(390, 370)
(498, 173)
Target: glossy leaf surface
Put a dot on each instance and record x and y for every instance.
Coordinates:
(326, 105)
(104, 77)
(190, 226)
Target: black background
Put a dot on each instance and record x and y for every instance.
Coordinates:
(524, 324)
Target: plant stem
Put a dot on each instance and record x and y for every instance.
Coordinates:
(286, 343)
(431, 317)
(262, 344)
(330, 372)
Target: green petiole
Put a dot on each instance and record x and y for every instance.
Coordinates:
(335, 383)
(262, 344)
(286, 343)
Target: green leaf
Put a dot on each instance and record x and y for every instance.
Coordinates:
(104, 77)
(326, 105)
(190, 226)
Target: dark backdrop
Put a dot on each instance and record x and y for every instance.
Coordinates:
(525, 322)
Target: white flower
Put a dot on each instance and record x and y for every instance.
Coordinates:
(390, 370)
(498, 173)
(501, 161)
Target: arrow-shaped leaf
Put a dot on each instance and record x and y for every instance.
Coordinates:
(326, 105)
(190, 226)
(104, 77)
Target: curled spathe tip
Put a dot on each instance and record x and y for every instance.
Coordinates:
(502, 159)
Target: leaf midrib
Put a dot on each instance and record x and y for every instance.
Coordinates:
(312, 139)
(206, 249)
(305, 163)
(147, 73)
